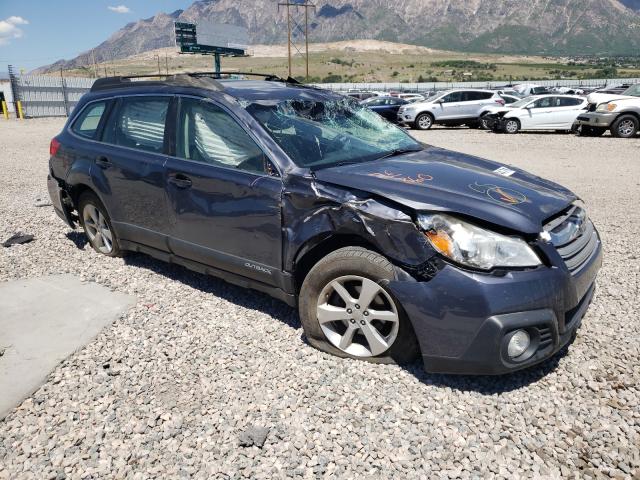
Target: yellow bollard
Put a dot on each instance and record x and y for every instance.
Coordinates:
(5, 111)
(20, 114)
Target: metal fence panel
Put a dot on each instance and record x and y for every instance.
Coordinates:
(50, 96)
(429, 86)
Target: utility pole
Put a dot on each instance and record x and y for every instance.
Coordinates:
(166, 62)
(291, 31)
(159, 71)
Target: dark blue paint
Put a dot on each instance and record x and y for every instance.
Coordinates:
(255, 230)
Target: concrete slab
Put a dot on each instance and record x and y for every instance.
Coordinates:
(44, 320)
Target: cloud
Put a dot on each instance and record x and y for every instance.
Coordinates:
(120, 9)
(9, 29)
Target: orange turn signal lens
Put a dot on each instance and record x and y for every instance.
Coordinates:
(441, 242)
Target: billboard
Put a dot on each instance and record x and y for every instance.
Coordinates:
(211, 38)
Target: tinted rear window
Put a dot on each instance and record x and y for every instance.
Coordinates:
(87, 123)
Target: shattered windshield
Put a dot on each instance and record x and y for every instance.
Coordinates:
(319, 134)
(633, 91)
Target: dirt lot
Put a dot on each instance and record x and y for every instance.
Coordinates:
(169, 388)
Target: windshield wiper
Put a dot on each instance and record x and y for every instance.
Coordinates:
(398, 152)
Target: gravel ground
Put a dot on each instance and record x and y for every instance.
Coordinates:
(188, 383)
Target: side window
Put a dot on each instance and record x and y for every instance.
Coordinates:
(475, 96)
(87, 123)
(546, 102)
(207, 134)
(570, 102)
(139, 123)
(453, 97)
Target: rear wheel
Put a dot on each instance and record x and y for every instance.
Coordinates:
(625, 126)
(512, 126)
(97, 225)
(484, 122)
(424, 121)
(346, 311)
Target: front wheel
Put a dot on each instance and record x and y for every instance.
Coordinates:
(424, 121)
(512, 126)
(346, 310)
(625, 126)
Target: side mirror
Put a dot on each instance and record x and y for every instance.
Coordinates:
(440, 100)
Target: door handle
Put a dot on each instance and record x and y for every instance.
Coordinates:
(180, 180)
(103, 162)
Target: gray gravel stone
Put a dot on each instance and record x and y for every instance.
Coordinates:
(199, 361)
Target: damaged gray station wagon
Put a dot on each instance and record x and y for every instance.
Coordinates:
(390, 249)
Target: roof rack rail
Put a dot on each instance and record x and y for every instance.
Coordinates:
(179, 79)
(270, 77)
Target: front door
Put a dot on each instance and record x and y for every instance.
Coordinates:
(451, 106)
(224, 194)
(543, 113)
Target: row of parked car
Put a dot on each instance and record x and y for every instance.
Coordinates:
(507, 111)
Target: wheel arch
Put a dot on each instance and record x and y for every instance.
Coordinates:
(318, 247)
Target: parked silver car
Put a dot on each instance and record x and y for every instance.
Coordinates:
(453, 107)
(620, 114)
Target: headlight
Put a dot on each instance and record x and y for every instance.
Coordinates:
(606, 107)
(474, 246)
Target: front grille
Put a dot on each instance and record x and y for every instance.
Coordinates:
(592, 107)
(583, 118)
(574, 236)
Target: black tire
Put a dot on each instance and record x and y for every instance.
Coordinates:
(512, 126)
(483, 122)
(625, 126)
(424, 121)
(90, 199)
(363, 263)
(587, 131)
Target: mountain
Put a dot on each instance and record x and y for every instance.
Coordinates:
(562, 27)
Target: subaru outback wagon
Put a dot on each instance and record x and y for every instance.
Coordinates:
(389, 248)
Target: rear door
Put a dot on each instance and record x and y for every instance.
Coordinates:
(224, 194)
(129, 169)
(569, 110)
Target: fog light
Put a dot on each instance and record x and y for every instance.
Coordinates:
(518, 343)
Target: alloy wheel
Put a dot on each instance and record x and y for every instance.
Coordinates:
(511, 126)
(626, 128)
(358, 316)
(97, 229)
(424, 122)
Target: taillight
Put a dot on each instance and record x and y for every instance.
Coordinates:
(500, 101)
(54, 146)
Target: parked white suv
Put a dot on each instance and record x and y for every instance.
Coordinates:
(540, 112)
(453, 107)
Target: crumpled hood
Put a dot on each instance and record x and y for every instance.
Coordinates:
(435, 179)
(599, 98)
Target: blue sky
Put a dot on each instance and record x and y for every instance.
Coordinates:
(38, 32)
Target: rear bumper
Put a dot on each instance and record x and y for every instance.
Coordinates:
(57, 195)
(463, 320)
(596, 119)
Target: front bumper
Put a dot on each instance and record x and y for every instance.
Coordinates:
(596, 119)
(463, 319)
(407, 117)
